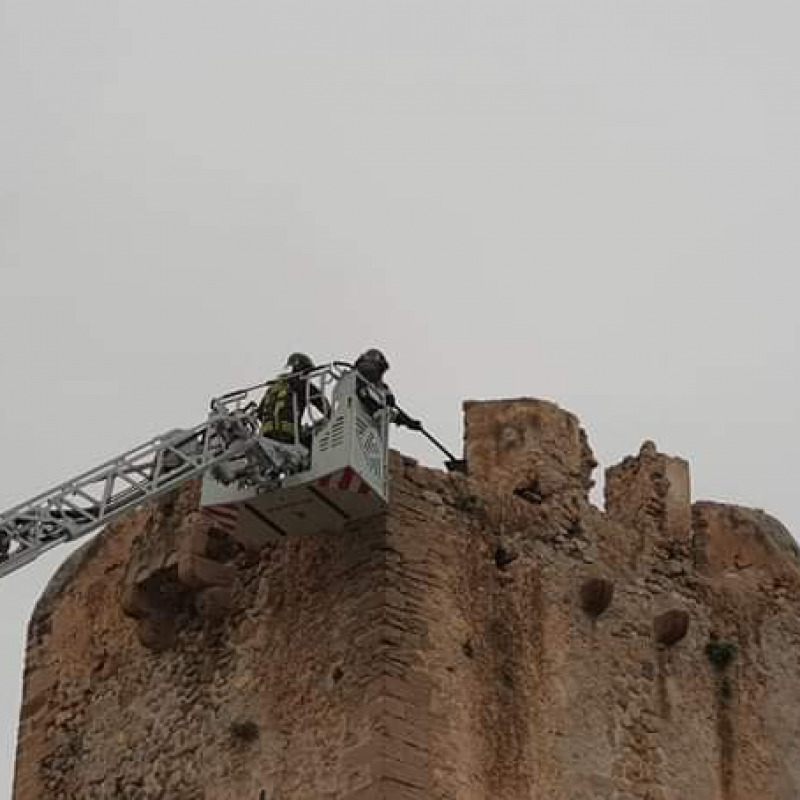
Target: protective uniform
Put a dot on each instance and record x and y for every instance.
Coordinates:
(283, 446)
(284, 403)
(277, 411)
(371, 365)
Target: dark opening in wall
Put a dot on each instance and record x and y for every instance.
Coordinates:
(245, 731)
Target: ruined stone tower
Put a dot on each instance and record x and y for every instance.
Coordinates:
(490, 637)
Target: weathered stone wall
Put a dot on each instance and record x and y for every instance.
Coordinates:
(491, 636)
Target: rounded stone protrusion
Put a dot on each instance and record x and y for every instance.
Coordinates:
(671, 626)
(133, 601)
(157, 634)
(596, 596)
(648, 448)
(214, 603)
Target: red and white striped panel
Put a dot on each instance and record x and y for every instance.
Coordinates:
(346, 480)
(224, 517)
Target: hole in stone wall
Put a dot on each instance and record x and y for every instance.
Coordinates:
(337, 674)
(504, 556)
(671, 626)
(596, 596)
(245, 731)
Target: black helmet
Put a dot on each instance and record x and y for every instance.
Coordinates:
(299, 362)
(372, 364)
(374, 357)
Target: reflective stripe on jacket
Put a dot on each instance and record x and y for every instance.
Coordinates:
(276, 411)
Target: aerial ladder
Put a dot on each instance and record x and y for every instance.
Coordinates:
(335, 472)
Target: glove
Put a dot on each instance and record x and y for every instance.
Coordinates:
(412, 424)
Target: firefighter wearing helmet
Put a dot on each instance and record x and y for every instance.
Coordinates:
(372, 365)
(284, 403)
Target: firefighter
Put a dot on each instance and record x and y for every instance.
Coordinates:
(372, 365)
(284, 403)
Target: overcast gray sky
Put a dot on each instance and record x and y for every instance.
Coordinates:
(590, 202)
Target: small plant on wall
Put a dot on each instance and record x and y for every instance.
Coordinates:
(721, 654)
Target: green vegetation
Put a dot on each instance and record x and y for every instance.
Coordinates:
(721, 654)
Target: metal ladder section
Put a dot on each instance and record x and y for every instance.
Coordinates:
(89, 501)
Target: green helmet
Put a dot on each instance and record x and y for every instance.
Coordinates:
(299, 362)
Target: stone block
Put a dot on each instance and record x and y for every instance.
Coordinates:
(215, 602)
(529, 446)
(651, 492)
(254, 538)
(197, 572)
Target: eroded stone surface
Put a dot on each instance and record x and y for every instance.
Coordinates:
(651, 491)
(530, 446)
(401, 661)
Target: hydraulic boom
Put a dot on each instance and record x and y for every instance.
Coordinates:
(87, 502)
